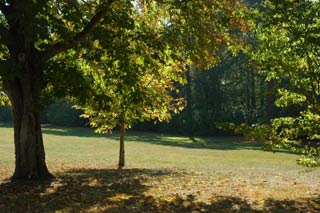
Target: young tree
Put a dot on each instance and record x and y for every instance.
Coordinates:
(139, 81)
(289, 55)
(56, 48)
(138, 88)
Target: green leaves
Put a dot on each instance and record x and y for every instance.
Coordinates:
(288, 98)
(136, 78)
(142, 50)
(4, 99)
(288, 54)
(122, 57)
(133, 53)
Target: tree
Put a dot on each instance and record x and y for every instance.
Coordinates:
(141, 84)
(232, 91)
(56, 47)
(32, 34)
(289, 55)
(145, 94)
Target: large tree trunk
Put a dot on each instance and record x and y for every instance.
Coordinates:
(24, 93)
(121, 150)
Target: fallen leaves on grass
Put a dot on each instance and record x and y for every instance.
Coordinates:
(96, 188)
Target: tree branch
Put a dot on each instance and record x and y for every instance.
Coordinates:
(80, 37)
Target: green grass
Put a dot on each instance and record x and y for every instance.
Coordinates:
(79, 145)
(230, 174)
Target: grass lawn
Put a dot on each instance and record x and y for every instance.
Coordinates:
(163, 174)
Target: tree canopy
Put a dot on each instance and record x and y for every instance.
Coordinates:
(80, 49)
(288, 53)
(148, 60)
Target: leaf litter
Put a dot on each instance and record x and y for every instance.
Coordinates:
(99, 188)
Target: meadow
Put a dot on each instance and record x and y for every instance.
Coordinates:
(163, 173)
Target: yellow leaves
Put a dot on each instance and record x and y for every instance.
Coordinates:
(120, 197)
(151, 190)
(55, 37)
(96, 44)
(92, 181)
(4, 99)
(68, 24)
(43, 204)
(261, 201)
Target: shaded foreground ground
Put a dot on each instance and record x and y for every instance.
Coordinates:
(164, 174)
(98, 189)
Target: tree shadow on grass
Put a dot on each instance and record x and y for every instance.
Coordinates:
(71, 131)
(217, 143)
(222, 143)
(74, 190)
(110, 190)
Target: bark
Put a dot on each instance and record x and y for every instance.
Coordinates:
(29, 149)
(121, 150)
